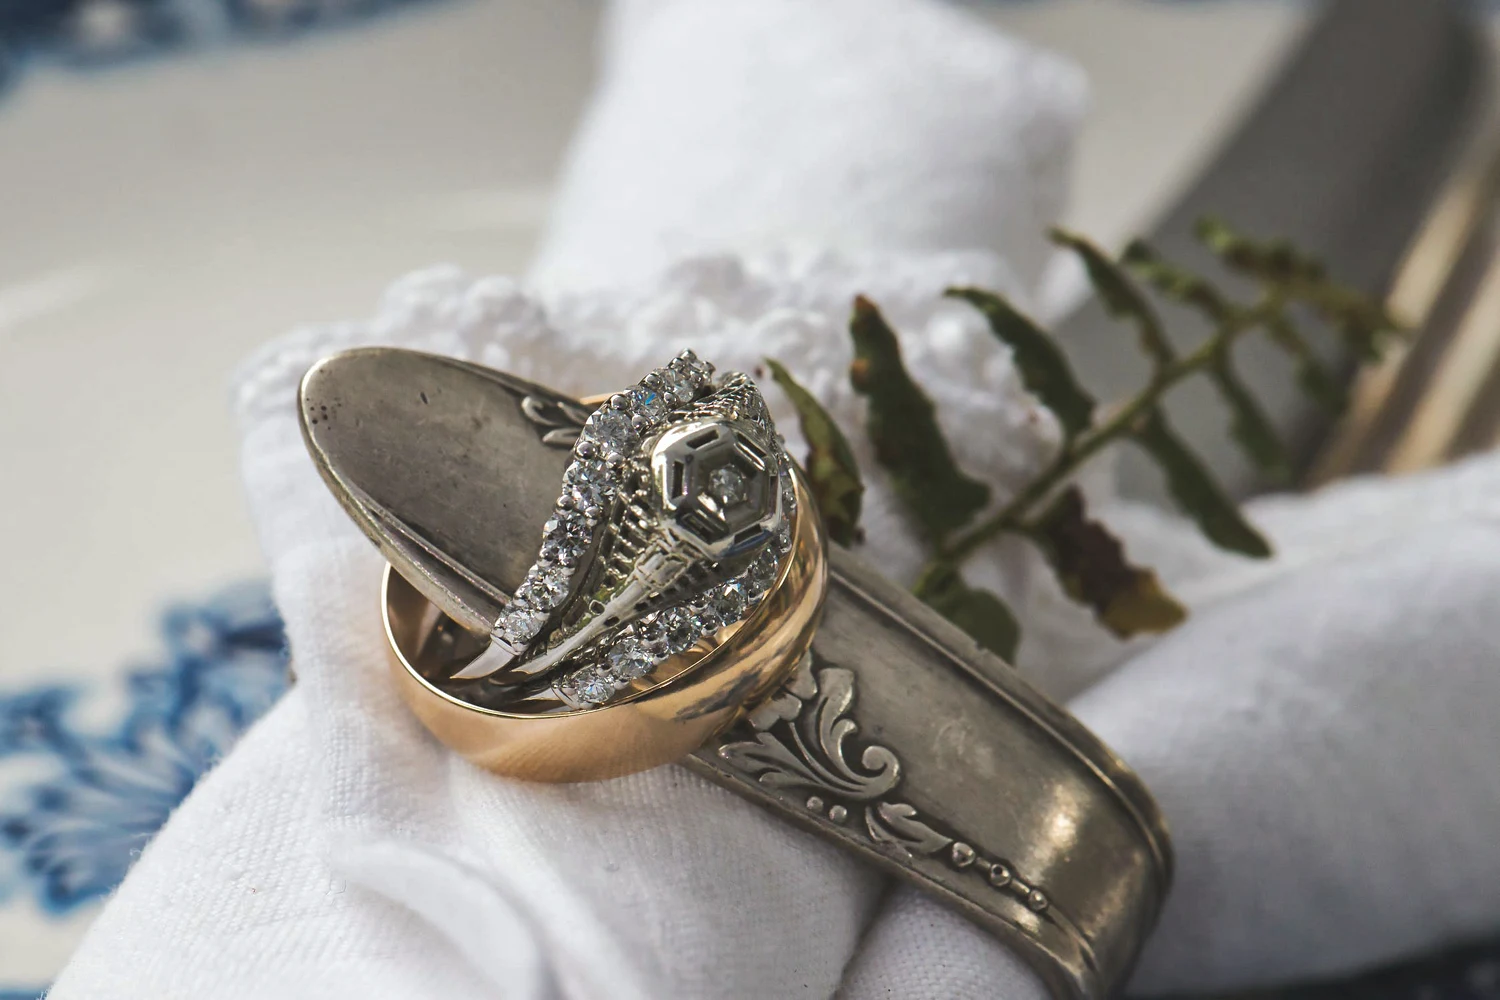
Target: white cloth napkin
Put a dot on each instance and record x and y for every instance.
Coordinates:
(1320, 733)
(833, 125)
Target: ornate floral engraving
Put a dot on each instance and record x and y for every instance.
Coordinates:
(896, 824)
(802, 740)
(557, 420)
(812, 753)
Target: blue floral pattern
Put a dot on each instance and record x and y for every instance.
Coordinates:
(68, 836)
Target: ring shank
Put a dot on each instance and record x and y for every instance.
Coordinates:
(658, 724)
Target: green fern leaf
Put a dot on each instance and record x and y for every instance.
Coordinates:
(832, 472)
(1195, 491)
(904, 431)
(1043, 367)
(1120, 296)
(1249, 426)
(984, 616)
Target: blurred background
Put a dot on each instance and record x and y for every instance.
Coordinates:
(181, 181)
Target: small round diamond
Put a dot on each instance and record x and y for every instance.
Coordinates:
(651, 632)
(729, 603)
(587, 496)
(709, 619)
(614, 430)
(784, 537)
(586, 471)
(682, 629)
(568, 527)
(545, 587)
(648, 400)
(520, 624)
(678, 386)
(592, 686)
(761, 574)
(558, 552)
(788, 493)
(698, 370)
(728, 485)
(629, 658)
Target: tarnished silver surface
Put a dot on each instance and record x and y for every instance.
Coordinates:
(901, 740)
(897, 737)
(450, 468)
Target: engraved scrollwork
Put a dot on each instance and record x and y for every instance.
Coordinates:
(895, 825)
(811, 752)
(801, 738)
(558, 421)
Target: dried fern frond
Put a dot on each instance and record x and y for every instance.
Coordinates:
(947, 505)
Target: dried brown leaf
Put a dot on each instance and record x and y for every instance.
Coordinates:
(1091, 565)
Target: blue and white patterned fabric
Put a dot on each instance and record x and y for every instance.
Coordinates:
(90, 33)
(79, 799)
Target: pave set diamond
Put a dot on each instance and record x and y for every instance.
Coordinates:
(595, 479)
(635, 650)
(590, 484)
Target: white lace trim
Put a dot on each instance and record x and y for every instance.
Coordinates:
(734, 312)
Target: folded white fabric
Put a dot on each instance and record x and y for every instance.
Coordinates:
(1319, 735)
(836, 125)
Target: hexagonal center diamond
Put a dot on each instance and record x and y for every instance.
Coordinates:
(728, 485)
(717, 481)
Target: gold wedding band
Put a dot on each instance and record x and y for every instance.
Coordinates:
(704, 689)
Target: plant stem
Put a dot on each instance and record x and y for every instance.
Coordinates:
(1075, 452)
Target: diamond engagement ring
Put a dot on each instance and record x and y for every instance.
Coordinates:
(674, 517)
(579, 589)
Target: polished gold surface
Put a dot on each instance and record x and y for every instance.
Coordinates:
(680, 708)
